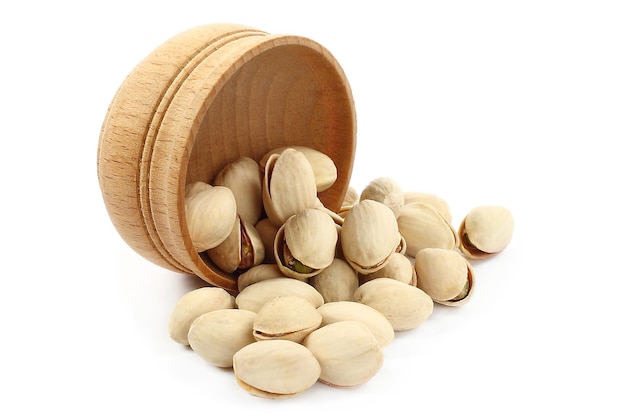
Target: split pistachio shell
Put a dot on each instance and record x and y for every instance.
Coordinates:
(424, 227)
(254, 296)
(369, 235)
(384, 190)
(258, 273)
(244, 178)
(486, 231)
(378, 324)
(432, 200)
(405, 306)
(288, 185)
(399, 268)
(241, 250)
(305, 244)
(337, 282)
(217, 335)
(445, 275)
(287, 317)
(348, 353)
(275, 368)
(211, 214)
(192, 305)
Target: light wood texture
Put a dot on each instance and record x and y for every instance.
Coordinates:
(201, 100)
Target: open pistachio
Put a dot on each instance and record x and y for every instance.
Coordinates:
(286, 317)
(399, 267)
(384, 190)
(254, 296)
(445, 275)
(241, 250)
(432, 200)
(486, 231)
(258, 273)
(337, 282)
(275, 368)
(244, 178)
(369, 235)
(305, 244)
(211, 214)
(424, 227)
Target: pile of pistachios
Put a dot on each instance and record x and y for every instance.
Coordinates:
(320, 293)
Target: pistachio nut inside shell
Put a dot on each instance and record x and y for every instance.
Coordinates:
(384, 190)
(241, 250)
(217, 335)
(337, 282)
(210, 214)
(254, 296)
(445, 275)
(275, 368)
(244, 177)
(287, 317)
(369, 235)
(424, 227)
(432, 200)
(486, 231)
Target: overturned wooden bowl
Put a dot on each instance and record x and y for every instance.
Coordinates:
(201, 100)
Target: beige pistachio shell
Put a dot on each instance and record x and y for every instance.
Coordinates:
(267, 231)
(350, 198)
(432, 200)
(288, 185)
(258, 273)
(424, 227)
(384, 190)
(445, 275)
(399, 268)
(217, 335)
(287, 317)
(369, 235)
(348, 353)
(194, 187)
(244, 177)
(210, 215)
(192, 305)
(275, 368)
(242, 249)
(378, 324)
(337, 282)
(486, 231)
(405, 306)
(323, 166)
(254, 296)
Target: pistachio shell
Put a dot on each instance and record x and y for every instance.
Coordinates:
(399, 268)
(258, 273)
(267, 231)
(337, 282)
(323, 166)
(445, 275)
(384, 190)
(254, 296)
(486, 231)
(287, 317)
(348, 353)
(210, 215)
(217, 335)
(405, 306)
(242, 249)
(351, 197)
(432, 200)
(192, 305)
(194, 187)
(424, 227)
(244, 178)
(378, 324)
(275, 368)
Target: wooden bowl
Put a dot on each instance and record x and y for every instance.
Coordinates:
(201, 100)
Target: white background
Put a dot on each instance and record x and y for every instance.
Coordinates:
(520, 104)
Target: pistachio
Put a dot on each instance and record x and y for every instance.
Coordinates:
(386, 191)
(211, 214)
(369, 235)
(337, 282)
(267, 232)
(424, 227)
(244, 178)
(348, 353)
(192, 305)
(432, 200)
(399, 268)
(217, 335)
(486, 231)
(194, 187)
(241, 250)
(275, 368)
(350, 198)
(378, 324)
(405, 306)
(258, 273)
(254, 296)
(445, 275)
(286, 317)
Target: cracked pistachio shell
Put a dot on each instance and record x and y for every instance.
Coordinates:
(424, 227)
(486, 231)
(210, 214)
(378, 324)
(288, 185)
(323, 166)
(432, 200)
(244, 177)
(369, 235)
(258, 273)
(242, 249)
(384, 190)
(192, 305)
(254, 296)
(306, 244)
(405, 306)
(275, 368)
(399, 268)
(287, 317)
(445, 275)
(337, 282)
(348, 353)
(217, 335)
